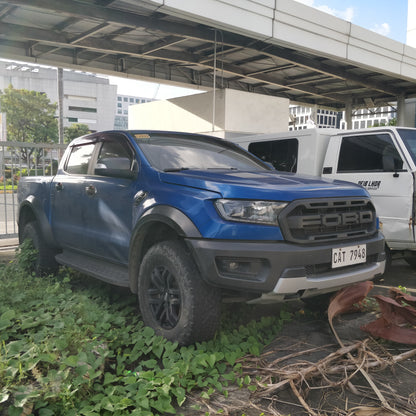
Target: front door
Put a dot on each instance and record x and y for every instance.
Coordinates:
(111, 189)
(375, 162)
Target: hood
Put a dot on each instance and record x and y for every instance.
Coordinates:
(264, 185)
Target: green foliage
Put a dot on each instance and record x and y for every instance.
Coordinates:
(76, 130)
(70, 345)
(403, 289)
(30, 118)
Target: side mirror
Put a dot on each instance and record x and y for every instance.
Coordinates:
(117, 167)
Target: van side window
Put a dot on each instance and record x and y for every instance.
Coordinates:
(282, 154)
(79, 159)
(369, 153)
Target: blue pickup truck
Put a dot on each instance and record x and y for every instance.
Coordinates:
(186, 220)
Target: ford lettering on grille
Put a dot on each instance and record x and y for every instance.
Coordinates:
(331, 219)
(346, 218)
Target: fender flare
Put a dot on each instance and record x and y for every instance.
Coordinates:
(165, 214)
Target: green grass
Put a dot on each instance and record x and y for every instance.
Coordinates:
(70, 345)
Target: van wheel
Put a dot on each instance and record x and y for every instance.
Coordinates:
(411, 260)
(173, 299)
(318, 303)
(44, 261)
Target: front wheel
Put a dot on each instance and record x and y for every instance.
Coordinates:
(173, 299)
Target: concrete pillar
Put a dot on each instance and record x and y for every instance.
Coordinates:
(348, 114)
(401, 120)
(411, 23)
(60, 79)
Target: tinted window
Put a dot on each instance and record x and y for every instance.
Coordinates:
(195, 152)
(282, 154)
(372, 152)
(409, 139)
(79, 159)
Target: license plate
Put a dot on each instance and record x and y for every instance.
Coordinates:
(346, 256)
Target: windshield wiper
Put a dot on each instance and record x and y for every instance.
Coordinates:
(223, 168)
(175, 169)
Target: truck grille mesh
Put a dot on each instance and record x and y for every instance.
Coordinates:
(332, 219)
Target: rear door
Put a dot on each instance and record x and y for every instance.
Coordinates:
(375, 161)
(69, 201)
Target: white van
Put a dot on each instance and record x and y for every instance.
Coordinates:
(382, 160)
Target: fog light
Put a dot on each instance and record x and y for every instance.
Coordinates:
(232, 265)
(246, 269)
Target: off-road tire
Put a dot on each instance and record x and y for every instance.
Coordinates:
(173, 298)
(45, 262)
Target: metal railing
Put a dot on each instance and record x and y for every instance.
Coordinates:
(19, 159)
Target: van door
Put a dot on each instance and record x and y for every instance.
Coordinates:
(375, 162)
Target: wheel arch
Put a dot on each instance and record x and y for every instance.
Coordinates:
(28, 212)
(159, 223)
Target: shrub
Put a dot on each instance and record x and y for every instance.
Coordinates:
(70, 345)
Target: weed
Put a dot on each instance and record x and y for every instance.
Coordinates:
(70, 345)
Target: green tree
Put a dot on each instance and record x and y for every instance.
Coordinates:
(30, 118)
(76, 130)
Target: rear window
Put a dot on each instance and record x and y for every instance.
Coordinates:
(282, 154)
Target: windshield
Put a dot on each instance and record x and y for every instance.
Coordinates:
(175, 153)
(409, 138)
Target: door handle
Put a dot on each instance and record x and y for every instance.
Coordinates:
(59, 186)
(90, 190)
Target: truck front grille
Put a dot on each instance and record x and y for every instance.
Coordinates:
(332, 219)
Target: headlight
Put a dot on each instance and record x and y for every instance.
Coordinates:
(262, 212)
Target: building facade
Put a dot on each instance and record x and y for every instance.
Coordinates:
(371, 117)
(301, 117)
(308, 117)
(87, 98)
(121, 110)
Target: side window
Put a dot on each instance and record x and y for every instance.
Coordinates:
(282, 154)
(79, 159)
(115, 153)
(372, 152)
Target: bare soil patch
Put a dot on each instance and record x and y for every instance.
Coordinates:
(305, 371)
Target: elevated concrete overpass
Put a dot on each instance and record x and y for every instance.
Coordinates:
(275, 47)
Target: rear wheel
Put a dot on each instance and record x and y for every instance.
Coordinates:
(44, 261)
(173, 299)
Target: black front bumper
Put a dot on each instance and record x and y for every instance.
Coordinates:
(280, 267)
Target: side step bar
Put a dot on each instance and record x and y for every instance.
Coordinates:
(98, 268)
